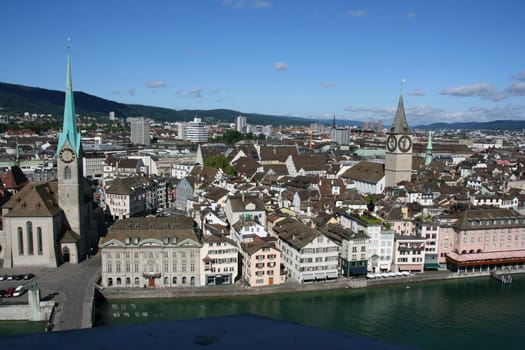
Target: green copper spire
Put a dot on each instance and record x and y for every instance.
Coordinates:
(69, 128)
(428, 157)
(400, 124)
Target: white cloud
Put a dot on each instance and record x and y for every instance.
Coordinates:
(156, 84)
(516, 89)
(131, 91)
(417, 92)
(195, 92)
(115, 92)
(355, 13)
(483, 90)
(239, 4)
(262, 4)
(328, 84)
(411, 15)
(519, 76)
(280, 66)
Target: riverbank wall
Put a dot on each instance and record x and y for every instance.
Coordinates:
(287, 287)
(26, 312)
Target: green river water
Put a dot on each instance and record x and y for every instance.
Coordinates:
(453, 314)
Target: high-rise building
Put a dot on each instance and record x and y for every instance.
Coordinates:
(372, 125)
(380, 126)
(340, 135)
(240, 124)
(196, 131)
(139, 131)
(398, 155)
(365, 126)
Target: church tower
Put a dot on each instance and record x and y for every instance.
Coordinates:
(398, 155)
(428, 156)
(69, 166)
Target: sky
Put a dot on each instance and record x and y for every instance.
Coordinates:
(451, 60)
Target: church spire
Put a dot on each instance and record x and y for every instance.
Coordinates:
(334, 125)
(400, 124)
(69, 128)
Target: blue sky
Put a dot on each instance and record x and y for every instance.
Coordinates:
(461, 60)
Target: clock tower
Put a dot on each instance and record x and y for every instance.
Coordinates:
(398, 154)
(70, 174)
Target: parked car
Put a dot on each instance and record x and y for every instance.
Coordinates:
(9, 292)
(3, 277)
(18, 277)
(2, 292)
(29, 276)
(19, 291)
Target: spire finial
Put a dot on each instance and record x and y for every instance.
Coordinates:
(68, 44)
(401, 85)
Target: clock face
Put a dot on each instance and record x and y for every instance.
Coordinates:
(391, 143)
(67, 155)
(405, 143)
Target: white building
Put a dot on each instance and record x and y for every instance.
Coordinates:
(240, 124)
(139, 131)
(380, 242)
(307, 254)
(219, 256)
(196, 131)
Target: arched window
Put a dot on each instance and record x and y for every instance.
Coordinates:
(67, 173)
(137, 281)
(20, 241)
(184, 280)
(110, 282)
(175, 280)
(166, 280)
(29, 234)
(128, 281)
(39, 242)
(192, 280)
(119, 281)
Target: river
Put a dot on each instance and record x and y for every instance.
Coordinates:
(453, 314)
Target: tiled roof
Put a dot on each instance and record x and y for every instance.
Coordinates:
(277, 153)
(295, 233)
(489, 218)
(366, 172)
(180, 227)
(35, 199)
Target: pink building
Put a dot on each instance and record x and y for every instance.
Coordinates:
(475, 232)
(261, 262)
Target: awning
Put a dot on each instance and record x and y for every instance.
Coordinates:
(320, 276)
(308, 277)
(358, 270)
(410, 267)
(430, 266)
(331, 275)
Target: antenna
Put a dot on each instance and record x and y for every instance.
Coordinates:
(401, 85)
(68, 44)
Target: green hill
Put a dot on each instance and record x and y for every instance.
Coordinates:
(18, 99)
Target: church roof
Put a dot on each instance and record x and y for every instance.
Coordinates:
(70, 237)
(34, 199)
(400, 124)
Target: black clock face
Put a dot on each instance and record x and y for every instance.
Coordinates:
(67, 155)
(405, 143)
(391, 143)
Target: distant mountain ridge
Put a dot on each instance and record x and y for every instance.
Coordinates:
(17, 99)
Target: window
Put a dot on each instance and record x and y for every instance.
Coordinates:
(118, 266)
(110, 282)
(184, 280)
(128, 281)
(137, 281)
(109, 268)
(119, 281)
(174, 267)
(192, 280)
(166, 280)
(29, 234)
(128, 266)
(39, 245)
(192, 267)
(20, 241)
(67, 173)
(136, 267)
(183, 268)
